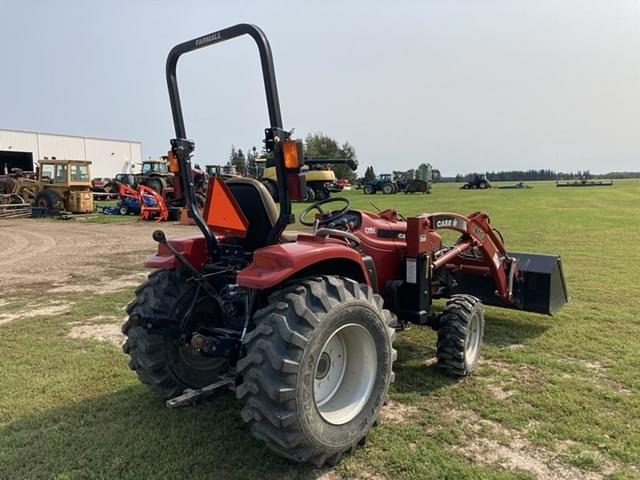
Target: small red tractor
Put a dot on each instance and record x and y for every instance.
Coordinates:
(301, 325)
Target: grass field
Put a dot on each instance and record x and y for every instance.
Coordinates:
(554, 397)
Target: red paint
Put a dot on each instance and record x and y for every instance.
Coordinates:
(274, 264)
(383, 237)
(192, 248)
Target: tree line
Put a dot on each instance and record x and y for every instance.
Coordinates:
(320, 145)
(541, 174)
(316, 145)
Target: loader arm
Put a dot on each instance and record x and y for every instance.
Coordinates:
(525, 281)
(476, 232)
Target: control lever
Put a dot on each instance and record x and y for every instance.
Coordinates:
(161, 238)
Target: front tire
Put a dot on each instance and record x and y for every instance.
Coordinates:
(369, 190)
(158, 359)
(321, 193)
(124, 209)
(317, 368)
(309, 195)
(460, 335)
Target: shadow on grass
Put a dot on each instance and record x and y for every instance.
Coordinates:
(505, 331)
(416, 370)
(130, 434)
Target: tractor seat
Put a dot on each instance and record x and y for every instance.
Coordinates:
(258, 206)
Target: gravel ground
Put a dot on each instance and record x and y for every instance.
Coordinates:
(49, 256)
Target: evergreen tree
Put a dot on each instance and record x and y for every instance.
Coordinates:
(238, 160)
(369, 174)
(321, 145)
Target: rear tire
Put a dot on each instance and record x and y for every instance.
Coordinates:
(460, 335)
(317, 369)
(155, 183)
(157, 359)
(388, 189)
(110, 188)
(309, 196)
(321, 193)
(48, 199)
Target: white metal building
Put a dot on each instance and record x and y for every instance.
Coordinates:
(22, 149)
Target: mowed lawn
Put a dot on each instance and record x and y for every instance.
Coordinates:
(554, 397)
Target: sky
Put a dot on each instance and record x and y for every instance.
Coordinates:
(467, 85)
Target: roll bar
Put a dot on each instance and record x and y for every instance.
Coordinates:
(183, 148)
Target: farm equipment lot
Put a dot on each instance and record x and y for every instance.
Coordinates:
(554, 397)
(50, 258)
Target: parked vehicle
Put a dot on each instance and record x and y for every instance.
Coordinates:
(301, 326)
(58, 185)
(476, 181)
(382, 183)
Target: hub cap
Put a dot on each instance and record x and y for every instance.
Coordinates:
(345, 374)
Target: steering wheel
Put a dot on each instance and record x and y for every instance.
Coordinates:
(318, 206)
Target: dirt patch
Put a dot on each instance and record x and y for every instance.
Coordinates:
(523, 374)
(490, 443)
(48, 256)
(36, 310)
(597, 374)
(429, 362)
(499, 392)
(330, 475)
(593, 365)
(104, 284)
(498, 365)
(102, 332)
(396, 413)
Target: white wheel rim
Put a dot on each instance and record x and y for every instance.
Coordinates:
(345, 373)
(472, 342)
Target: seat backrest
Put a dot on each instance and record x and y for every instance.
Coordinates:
(259, 208)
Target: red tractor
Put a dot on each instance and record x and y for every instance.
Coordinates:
(301, 326)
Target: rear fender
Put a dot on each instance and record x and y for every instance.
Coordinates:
(311, 255)
(192, 248)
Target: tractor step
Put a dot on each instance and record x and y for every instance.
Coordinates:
(191, 396)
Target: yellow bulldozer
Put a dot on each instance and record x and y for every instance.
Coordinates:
(57, 185)
(320, 179)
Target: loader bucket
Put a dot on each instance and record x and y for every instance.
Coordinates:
(540, 288)
(543, 288)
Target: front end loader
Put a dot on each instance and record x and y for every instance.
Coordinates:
(301, 325)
